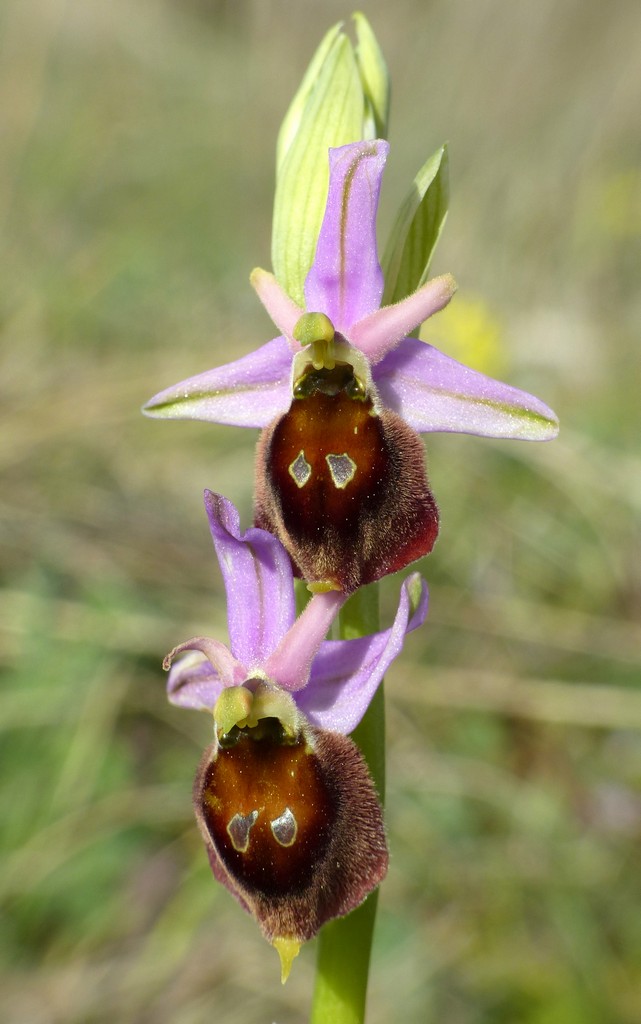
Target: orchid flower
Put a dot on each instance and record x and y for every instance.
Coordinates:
(283, 798)
(341, 394)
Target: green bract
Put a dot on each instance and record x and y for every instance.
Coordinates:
(417, 229)
(342, 98)
(374, 76)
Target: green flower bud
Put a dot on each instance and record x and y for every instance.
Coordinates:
(342, 98)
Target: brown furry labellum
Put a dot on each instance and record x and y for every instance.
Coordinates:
(292, 824)
(342, 484)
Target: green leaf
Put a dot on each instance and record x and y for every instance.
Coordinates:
(375, 77)
(327, 113)
(417, 229)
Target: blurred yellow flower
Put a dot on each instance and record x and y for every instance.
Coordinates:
(469, 331)
(617, 208)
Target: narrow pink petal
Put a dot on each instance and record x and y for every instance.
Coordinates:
(225, 669)
(290, 664)
(345, 281)
(282, 309)
(346, 673)
(433, 392)
(194, 683)
(381, 331)
(258, 582)
(250, 392)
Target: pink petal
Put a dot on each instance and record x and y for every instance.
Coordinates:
(381, 331)
(283, 311)
(196, 683)
(290, 664)
(346, 673)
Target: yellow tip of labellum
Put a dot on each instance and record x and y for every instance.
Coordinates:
(288, 950)
(322, 586)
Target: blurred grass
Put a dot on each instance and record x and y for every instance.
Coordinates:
(135, 195)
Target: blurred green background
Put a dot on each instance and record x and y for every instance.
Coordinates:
(135, 197)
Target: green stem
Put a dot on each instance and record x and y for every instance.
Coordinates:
(344, 945)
